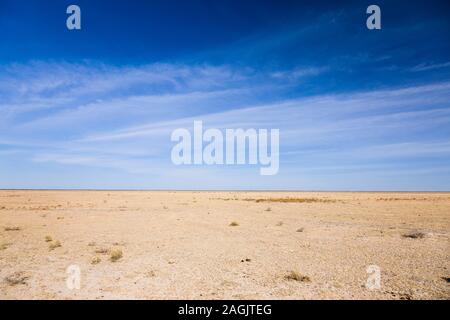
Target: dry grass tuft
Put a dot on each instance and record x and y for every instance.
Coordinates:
(17, 278)
(12, 229)
(115, 255)
(291, 200)
(234, 224)
(300, 229)
(91, 244)
(279, 224)
(297, 276)
(404, 199)
(96, 260)
(268, 209)
(414, 235)
(48, 239)
(101, 251)
(150, 274)
(54, 245)
(4, 246)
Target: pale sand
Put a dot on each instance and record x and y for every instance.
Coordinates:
(180, 245)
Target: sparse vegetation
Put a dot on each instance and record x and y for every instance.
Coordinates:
(54, 245)
(115, 255)
(96, 260)
(404, 199)
(149, 239)
(291, 200)
(296, 276)
(17, 278)
(12, 229)
(414, 235)
(406, 296)
(4, 246)
(283, 200)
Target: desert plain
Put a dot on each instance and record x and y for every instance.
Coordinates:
(224, 245)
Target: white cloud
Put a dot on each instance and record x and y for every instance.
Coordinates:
(121, 118)
(428, 66)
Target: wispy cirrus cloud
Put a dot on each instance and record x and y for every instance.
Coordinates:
(430, 66)
(120, 119)
(299, 73)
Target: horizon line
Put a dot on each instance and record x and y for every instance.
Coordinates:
(225, 190)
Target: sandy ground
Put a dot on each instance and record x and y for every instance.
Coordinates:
(180, 245)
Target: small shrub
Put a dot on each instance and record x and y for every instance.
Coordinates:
(48, 239)
(12, 228)
(300, 230)
(17, 278)
(4, 246)
(115, 255)
(296, 276)
(414, 235)
(96, 260)
(54, 245)
(234, 224)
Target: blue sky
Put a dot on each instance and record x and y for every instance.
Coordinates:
(357, 109)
